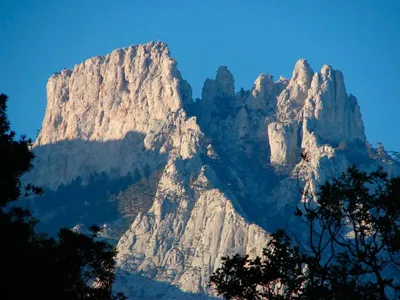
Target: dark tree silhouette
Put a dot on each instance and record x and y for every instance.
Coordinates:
(33, 266)
(350, 249)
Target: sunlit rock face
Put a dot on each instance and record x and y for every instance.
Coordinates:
(103, 98)
(230, 163)
(329, 112)
(111, 114)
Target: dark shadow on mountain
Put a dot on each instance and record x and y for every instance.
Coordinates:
(136, 286)
(244, 167)
(98, 197)
(243, 162)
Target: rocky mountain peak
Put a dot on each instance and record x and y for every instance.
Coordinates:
(291, 101)
(326, 70)
(223, 174)
(263, 81)
(125, 95)
(223, 86)
(264, 94)
(329, 112)
(302, 73)
(225, 82)
(94, 100)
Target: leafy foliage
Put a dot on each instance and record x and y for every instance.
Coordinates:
(15, 159)
(278, 276)
(350, 249)
(33, 266)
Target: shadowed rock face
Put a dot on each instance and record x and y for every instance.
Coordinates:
(228, 163)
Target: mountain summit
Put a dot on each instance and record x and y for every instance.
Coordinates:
(220, 171)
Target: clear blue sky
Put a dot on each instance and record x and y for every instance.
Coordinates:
(359, 37)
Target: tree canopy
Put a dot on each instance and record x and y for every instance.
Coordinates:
(349, 250)
(34, 266)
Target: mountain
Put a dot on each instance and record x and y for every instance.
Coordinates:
(178, 183)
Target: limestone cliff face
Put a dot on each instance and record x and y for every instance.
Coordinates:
(182, 238)
(130, 101)
(313, 109)
(329, 112)
(103, 98)
(229, 162)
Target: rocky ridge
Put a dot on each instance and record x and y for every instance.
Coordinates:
(229, 162)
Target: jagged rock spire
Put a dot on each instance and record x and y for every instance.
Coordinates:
(302, 73)
(118, 112)
(223, 86)
(225, 82)
(329, 112)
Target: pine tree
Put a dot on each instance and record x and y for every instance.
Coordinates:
(351, 250)
(33, 266)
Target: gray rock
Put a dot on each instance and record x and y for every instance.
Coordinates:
(225, 171)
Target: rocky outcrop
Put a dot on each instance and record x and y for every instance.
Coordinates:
(283, 141)
(189, 228)
(231, 162)
(134, 95)
(329, 113)
(123, 112)
(103, 98)
(293, 97)
(314, 109)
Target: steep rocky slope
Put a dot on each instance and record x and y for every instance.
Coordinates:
(132, 97)
(230, 163)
